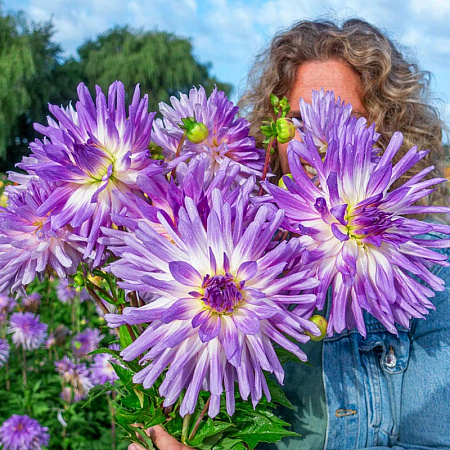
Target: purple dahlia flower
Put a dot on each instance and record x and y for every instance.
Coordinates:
(28, 244)
(23, 433)
(86, 342)
(101, 369)
(27, 330)
(219, 303)
(4, 351)
(76, 376)
(90, 153)
(228, 136)
(354, 226)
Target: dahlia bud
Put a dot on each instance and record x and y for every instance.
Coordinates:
(197, 132)
(285, 130)
(78, 280)
(281, 183)
(322, 323)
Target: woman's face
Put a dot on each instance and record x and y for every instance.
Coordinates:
(331, 75)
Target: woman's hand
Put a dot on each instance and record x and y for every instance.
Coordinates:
(162, 439)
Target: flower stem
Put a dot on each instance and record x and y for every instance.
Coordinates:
(24, 367)
(99, 303)
(177, 154)
(200, 418)
(185, 429)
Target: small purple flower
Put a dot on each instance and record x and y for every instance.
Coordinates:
(27, 330)
(7, 304)
(353, 225)
(23, 433)
(228, 137)
(85, 342)
(76, 376)
(4, 351)
(90, 153)
(28, 244)
(219, 302)
(101, 370)
(67, 293)
(31, 302)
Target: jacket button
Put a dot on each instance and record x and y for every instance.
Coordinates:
(390, 360)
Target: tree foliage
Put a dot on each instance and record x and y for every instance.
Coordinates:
(34, 73)
(161, 62)
(16, 68)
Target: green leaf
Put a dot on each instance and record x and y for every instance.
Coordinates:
(277, 394)
(96, 392)
(157, 419)
(208, 429)
(115, 353)
(259, 426)
(125, 338)
(125, 375)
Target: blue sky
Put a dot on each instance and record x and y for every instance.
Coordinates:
(229, 33)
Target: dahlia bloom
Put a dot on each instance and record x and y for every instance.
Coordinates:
(354, 226)
(86, 342)
(28, 244)
(90, 153)
(76, 376)
(101, 369)
(27, 330)
(219, 303)
(23, 433)
(228, 136)
(4, 351)
(322, 116)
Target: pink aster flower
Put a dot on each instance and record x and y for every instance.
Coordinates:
(219, 303)
(90, 153)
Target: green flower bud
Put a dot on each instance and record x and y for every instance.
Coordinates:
(322, 323)
(281, 182)
(197, 132)
(274, 100)
(285, 130)
(155, 151)
(78, 280)
(284, 105)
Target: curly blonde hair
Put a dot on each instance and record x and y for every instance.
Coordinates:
(395, 92)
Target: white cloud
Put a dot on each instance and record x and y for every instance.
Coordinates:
(229, 33)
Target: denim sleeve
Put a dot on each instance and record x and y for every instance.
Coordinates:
(425, 400)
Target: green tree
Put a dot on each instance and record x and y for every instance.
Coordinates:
(161, 62)
(16, 68)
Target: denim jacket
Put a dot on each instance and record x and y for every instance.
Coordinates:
(380, 392)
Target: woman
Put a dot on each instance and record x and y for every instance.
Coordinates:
(382, 391)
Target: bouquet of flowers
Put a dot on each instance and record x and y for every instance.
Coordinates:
(174, 229)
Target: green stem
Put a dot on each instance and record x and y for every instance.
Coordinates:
(24, 368)
(185, 429)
